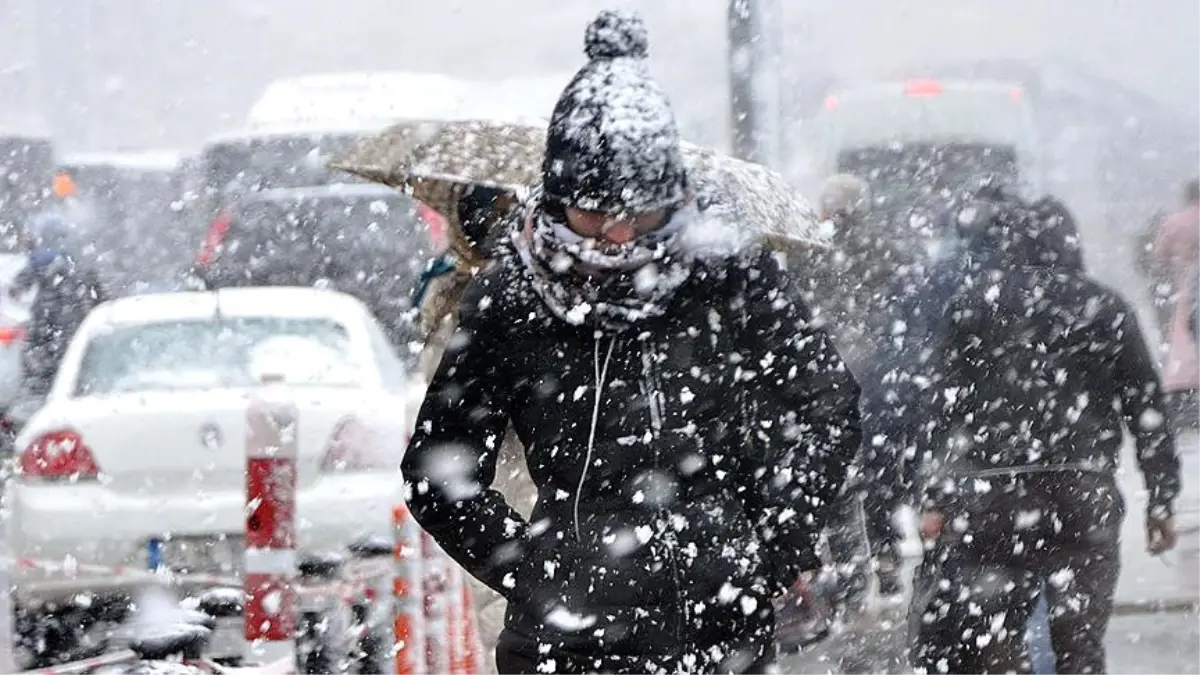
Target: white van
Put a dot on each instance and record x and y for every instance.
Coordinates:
(390, 96)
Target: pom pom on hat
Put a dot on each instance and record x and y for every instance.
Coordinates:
(613, 145)
(616, 34)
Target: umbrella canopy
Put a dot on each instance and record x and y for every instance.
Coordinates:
(435, 159)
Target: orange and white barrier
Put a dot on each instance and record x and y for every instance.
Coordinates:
(408, 597)
(435, 625)
(465, 650)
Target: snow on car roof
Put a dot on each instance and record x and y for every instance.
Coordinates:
(382, 94)
(379, 98)
(282, 302)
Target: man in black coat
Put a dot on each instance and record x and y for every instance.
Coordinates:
(67, 290)
(685, 425)
(1037, 370)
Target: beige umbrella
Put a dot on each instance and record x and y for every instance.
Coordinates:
(437, 161)
(434, 160)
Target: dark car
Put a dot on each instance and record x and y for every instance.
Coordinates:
(131, 202)
(232, 166)
(919, 142)
(370, 241)
(26, 174)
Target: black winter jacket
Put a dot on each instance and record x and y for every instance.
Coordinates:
(683, 467)
(66, 292)
(1040, 367)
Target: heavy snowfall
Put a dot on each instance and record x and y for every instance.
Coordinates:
(522, 336)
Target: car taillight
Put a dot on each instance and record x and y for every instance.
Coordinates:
(59, 456)
(353, 447)
(923, 88)
(212, 241)
(12, 334)
(831, 102)
(435, 225)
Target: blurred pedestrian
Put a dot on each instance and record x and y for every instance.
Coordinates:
(861, 269)
(684, 423)
(1178, 243)
(1158, 280)
(1034, 376)
(67, 290)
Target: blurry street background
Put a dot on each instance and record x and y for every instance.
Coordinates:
(102, 75)
(153, 73)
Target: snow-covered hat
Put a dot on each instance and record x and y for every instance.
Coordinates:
(613, 143)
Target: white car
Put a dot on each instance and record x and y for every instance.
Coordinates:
(142, 436)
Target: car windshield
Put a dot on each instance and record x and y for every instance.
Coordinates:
(210, 354)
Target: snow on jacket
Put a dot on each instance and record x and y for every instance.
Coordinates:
(683, 468)
(438, 305)
(1038, 366)
(66, 292)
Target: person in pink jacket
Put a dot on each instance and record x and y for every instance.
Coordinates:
(1177, 249)
(1177, 246)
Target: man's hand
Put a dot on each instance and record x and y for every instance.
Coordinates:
(1160, 535)
(805, 581)
(931, 525)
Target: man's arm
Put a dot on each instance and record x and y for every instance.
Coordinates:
(451, 462)
(1140, 393)
(801, 404)
(22, 282)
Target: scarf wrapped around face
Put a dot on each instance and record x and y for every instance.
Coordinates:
(613, 286)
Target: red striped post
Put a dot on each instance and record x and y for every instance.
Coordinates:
(270, 551)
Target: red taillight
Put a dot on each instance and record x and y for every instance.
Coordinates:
(436, 226)
(923, 88)
(12, 334)
(1016, 93)
(212, 241)
(831, 102)
(59, 456)
(353, 447)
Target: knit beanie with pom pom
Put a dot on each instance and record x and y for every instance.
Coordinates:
(613, 143)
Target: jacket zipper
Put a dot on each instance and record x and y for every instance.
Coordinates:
(600, 373)
(653, 391)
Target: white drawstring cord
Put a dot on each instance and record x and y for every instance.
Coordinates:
(600, 374)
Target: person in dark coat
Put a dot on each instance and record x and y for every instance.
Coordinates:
(855, 300)
(1035, 374)
(684, 423)
(67, 290)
